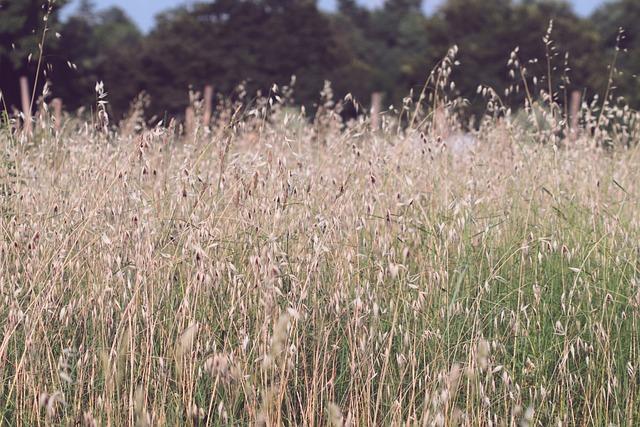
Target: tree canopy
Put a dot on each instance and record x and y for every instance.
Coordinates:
(389, 49)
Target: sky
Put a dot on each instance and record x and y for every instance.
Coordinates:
(143, 11)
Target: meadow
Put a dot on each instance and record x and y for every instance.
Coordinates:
(268, 269)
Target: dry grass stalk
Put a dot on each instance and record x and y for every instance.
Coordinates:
(274, 271)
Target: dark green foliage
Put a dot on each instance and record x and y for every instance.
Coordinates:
(623, 14)
(101, 46)
(21, 28)
(390, 49)
(225, 42)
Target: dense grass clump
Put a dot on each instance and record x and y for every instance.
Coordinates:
(262, 269)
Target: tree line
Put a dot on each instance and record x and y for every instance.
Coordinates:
(253, 44)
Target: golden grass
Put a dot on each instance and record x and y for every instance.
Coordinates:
(275, 272)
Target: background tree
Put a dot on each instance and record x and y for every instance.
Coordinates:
(391, 49)
(571, 35)
(224, 43)
(483, 31)
(21, 27)
(607, 20)
(404, 53)
(358, 74)
(486, 33)
(97, 46)
(388, 48)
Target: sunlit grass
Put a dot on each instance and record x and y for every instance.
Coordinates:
(268, 271)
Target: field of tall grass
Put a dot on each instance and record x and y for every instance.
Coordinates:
(269, 269)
